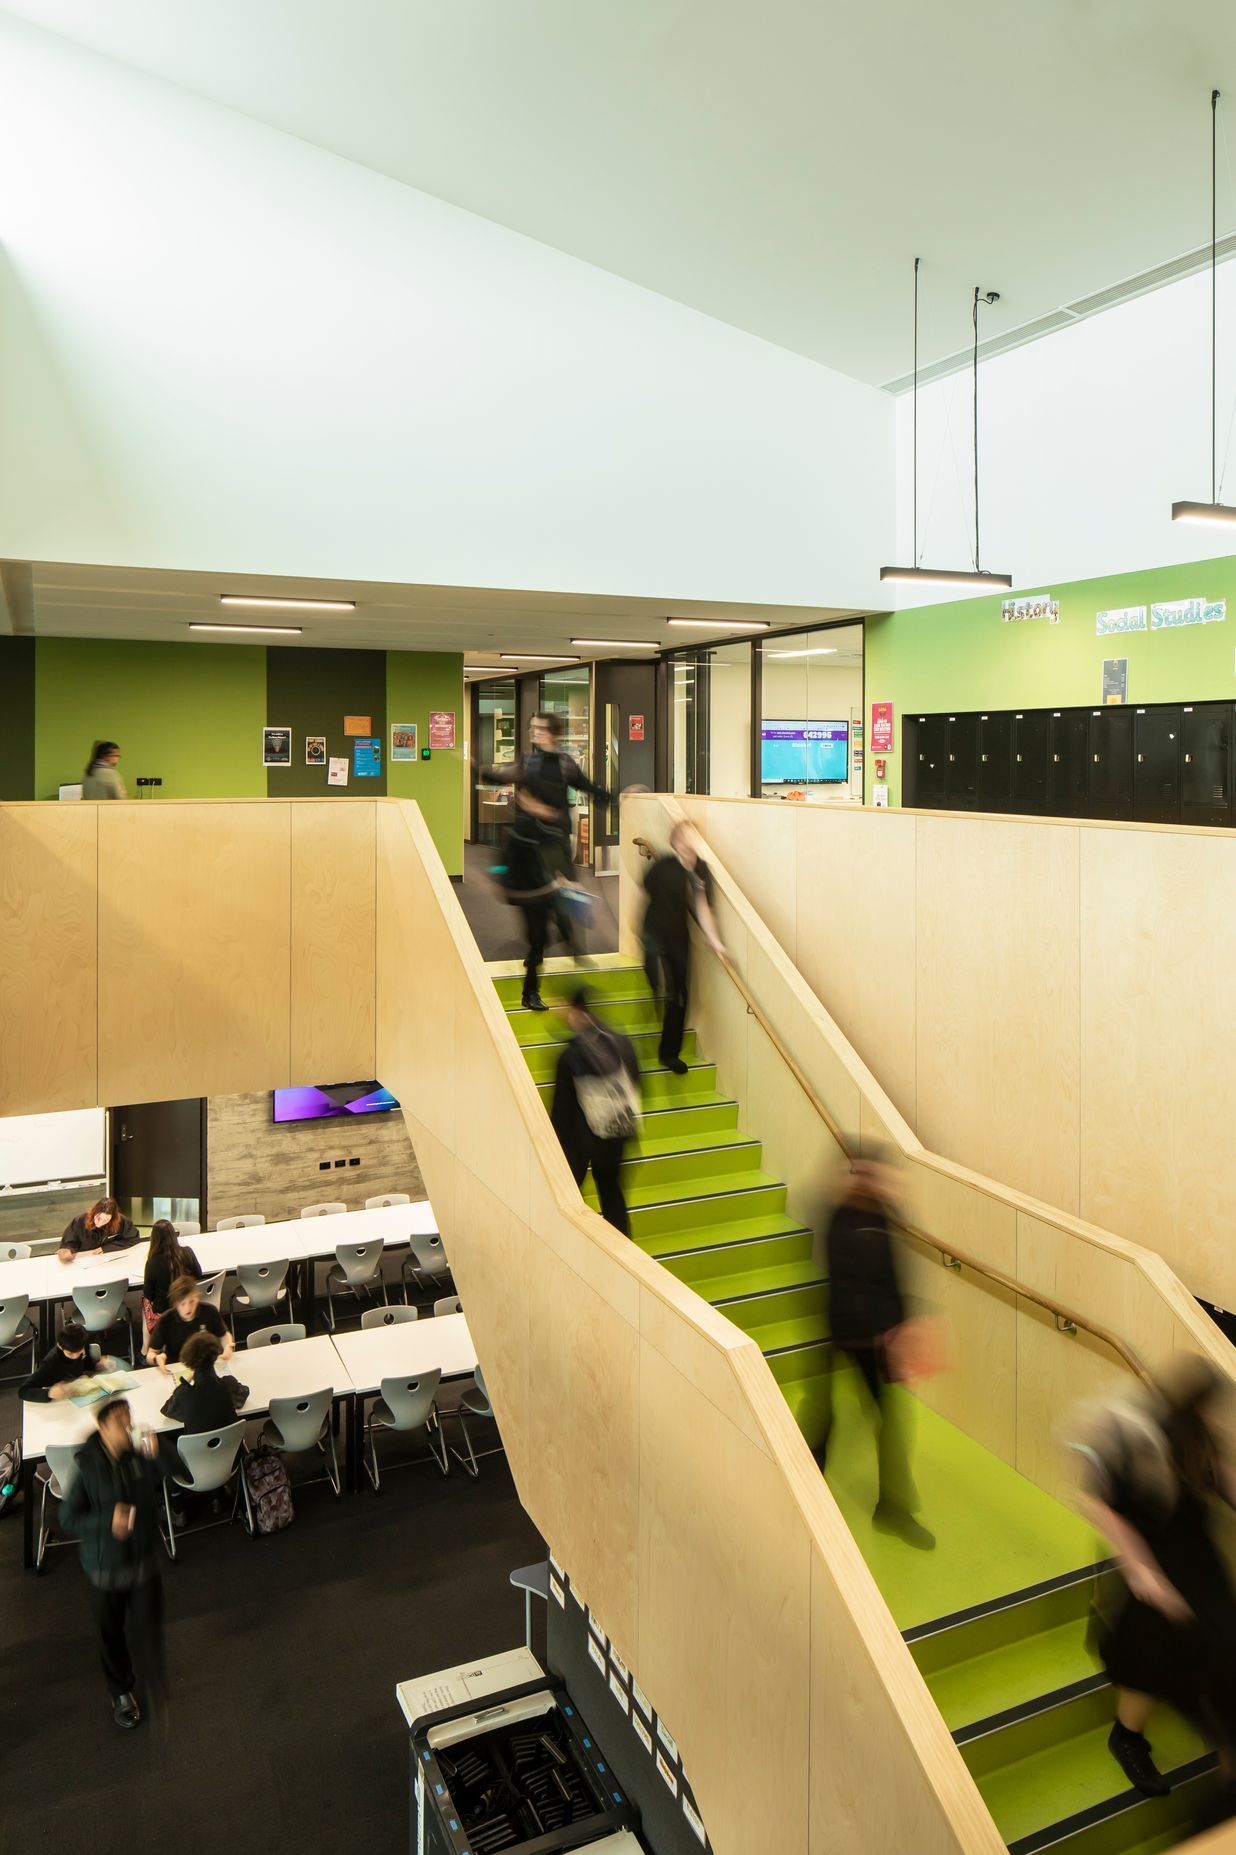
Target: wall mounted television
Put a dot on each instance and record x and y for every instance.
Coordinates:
(804, 753)
(333, 1101)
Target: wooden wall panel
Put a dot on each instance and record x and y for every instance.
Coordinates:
(760, 837)
(48, 958)
(334, 931)
(254, 1165)
(194, 914)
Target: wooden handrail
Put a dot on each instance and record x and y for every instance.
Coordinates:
(1071, 1319)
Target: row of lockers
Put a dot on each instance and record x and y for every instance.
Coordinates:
(1164, 763)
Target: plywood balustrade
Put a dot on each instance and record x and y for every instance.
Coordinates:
(48, 957)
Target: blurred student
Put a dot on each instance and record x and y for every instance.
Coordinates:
(59, 1371)
(111, 1507)
(1153, 1472)
(186, 1315)
(679, 891)
(101, 780)
(98, 1231)
(866, 1313)
(166, 1259)
(596, 1105)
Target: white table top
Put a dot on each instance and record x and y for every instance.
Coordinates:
(66, 1422)
(412, 1346)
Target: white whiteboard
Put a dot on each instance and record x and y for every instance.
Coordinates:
(36, 1148)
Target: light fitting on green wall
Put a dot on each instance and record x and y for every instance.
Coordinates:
(1214, 512)
(965, 577)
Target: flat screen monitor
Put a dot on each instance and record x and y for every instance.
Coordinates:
(804, 753)
(332, 1101)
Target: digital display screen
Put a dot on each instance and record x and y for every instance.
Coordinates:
(804, 753)
(332, 1101)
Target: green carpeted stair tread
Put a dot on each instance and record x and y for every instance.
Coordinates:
(769, 1276)
(739, 1263)
(1015, 1673)
(720, 1208)
(666, 1244)
(1148, 1826)
(794, 1330)
(718, 1149)
(755, 1313)
(629, 1015)
(602, 980)
(542, 1058)
(676, 1192)
(665, 1123)
(660, 1089)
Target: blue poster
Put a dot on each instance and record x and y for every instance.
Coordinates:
(367, 756)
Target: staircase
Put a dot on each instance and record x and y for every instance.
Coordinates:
(997, 1616)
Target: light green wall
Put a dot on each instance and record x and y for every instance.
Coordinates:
(963, 656)
(417, 681)
(190, 714)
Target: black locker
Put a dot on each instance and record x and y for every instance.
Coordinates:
(995, 789)
(909, 760)
(1206, 770)
(1156, 765)
(1068, 782)
(1111, 763)
(963, 762)
(1030, 735)
(931, 762)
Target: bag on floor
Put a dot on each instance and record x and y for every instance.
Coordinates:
(270, 1491)
(10, 1472)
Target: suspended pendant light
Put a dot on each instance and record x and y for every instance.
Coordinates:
(1217, 513)
(963, 577)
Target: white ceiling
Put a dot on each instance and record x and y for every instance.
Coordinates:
(52, 600)
(777, 166)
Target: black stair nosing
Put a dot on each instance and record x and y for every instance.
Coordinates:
(744, 1191)
(762, 1294)
(729, 1146)
(734, 1243)
(989, 1608)
(690, 1107)
(1068, 1826)
(599, 1002)
(1029, 1709)
(799, 1346)
(559, 1043)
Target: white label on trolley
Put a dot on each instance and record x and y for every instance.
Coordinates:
(667, 1773)
(559, 1593)
(670, 1744)
(619, 1665)
(595, 1651)
(693, 1819)
(597, 1631)
(641, 1699)
(619, 1692)
(645, 1737)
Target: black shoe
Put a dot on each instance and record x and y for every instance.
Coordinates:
(676, 1066)
(126, 1712)
(1131, 1752)
(899, 1520)
(532, 1000)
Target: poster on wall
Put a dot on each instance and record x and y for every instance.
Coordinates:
(635, 728)
(357, 724)
(1115, 681)
(315, 750)
(367, 757)
(337, 774)
(881, 727)
(1187, 612)
(1015, 611)
(276, 747)
(1120, 618)
(442, 728)
(403, 740)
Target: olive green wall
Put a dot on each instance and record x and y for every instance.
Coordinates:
(415, 683)
(16, 718)
(310, 692)
(963, 656)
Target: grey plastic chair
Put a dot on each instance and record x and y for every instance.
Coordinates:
(260, 1285)
(388, 1317)
(245, 1222)
(425, 1262)
(57, 1474)
(208, 1461)
(384, 1198)
(15, 1330)
(211, 1289)
(299, 1424)
(188, 1227)
(448, 1304)
(15, 1252)
(357, 1267)
(406, 1404)
(473, 1402)
(322, 1210)
(275, 1336)
(101, 1306)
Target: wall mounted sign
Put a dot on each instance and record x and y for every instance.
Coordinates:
(367, 757)
(315, 750)
(403, 740)
(635, 728)
(1014, 610)
(1187, 612)
(1115, 681)
(442, 728)
(276, 747)
(357, 724)
(881, 727)
(337, 773)
(1120, 618)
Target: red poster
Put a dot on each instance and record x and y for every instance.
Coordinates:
(636, 731)
(881, 728)
(441, 728)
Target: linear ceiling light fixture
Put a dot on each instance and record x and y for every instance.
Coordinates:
(1218, 514)
(288, 605)
(915, 575)
(614, 644)
(523, 657)
(723, 624)
(264, 631)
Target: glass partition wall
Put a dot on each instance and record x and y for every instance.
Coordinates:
(494, 734)
(711, 701)
(568, 692)
(811, 715)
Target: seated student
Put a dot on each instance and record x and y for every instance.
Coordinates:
(204, 1401)
(166, 1259)
(59, 1370)
(187, 1314)
(98, 1231)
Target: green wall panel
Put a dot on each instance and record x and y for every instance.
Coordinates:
(417, 681)
(16, 718)
(963, 656)
(190, 714)
(311, 691)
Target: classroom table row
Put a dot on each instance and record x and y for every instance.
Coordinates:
(46, 1281)
(352, 1365)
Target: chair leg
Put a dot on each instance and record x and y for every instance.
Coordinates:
(40, 1550)
(330, 1305)
(169, 1538)
(332, 1459)
(470, 1463)
(439, 1450)
(371, 1460)
(242, 1493)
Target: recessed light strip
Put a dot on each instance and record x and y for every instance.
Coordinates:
(265, 631)
(723, 624)
(615, 644)
(288, 605)
(520, 657)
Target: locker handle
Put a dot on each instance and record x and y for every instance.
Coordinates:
(1188, 759)
(983, 758)
(1096, 760)
(1140, 759)
(951, 759)
(1056, 759)
(1019, 759)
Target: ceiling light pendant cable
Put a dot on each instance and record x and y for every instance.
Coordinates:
(1214, 511)
(914, 575)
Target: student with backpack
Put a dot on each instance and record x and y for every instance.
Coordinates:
(596, 1105)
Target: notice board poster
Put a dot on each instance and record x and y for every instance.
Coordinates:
(1115, 680)
(881, 727)
(441, 728)
(366, 757)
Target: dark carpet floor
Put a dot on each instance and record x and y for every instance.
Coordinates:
(282, 1730)
(499, 928)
